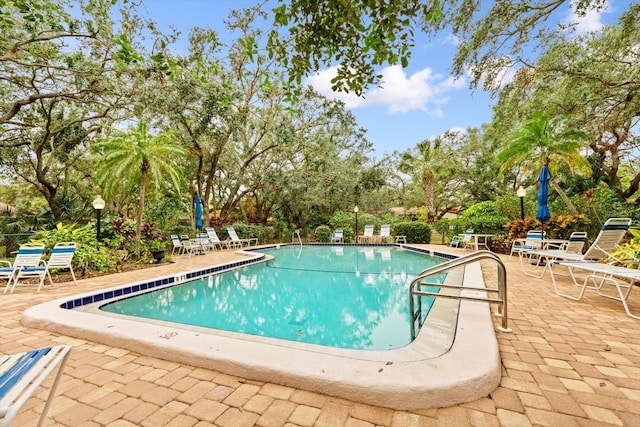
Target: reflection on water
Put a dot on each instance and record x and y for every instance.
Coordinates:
(354, 297)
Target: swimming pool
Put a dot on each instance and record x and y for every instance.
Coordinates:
(430, 372)
(348, 297)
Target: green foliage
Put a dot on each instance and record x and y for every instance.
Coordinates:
(359, 34)
(629, 253)
(416, 232)
(557, 227)
(484, 218)
(323, 234)
(500, 244)
(603, 203)
(262, 233)
(89, 254)
(347, 222)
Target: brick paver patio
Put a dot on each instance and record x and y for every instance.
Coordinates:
(566, 363)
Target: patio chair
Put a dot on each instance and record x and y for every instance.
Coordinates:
(574, 245)
(385, 234)
(466, 239)
(533, 240)
(177, 248)
(28, 260)
(624, 279)
(456, 241)
(61, 258)
(215, 240)
(235, 240)
(367, 236)
(606, 241)
(22, 373)
(203, 240)
(338, 237)
(191, 247)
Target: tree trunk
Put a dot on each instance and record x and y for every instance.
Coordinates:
(143, 181)
(428, 180)
(564, 197)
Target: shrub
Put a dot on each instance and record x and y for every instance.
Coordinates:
(629, 253)
(89, 254)
(246, 231)
(323, 233)
(557, 227)
(416, 231)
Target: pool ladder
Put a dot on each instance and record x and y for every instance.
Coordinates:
(416, 293)
(296, 235)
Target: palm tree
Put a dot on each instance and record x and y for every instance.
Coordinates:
(138, 158)
(544, 141)
(429, 161)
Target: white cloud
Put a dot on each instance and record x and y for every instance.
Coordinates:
(399, 93)
(590, 22)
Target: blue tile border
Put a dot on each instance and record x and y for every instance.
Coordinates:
(137, 287)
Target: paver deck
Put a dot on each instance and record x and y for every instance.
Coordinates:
(566, 363)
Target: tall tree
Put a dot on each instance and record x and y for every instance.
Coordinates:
(63, 77)
(545, 141)
(363, 34)
(594, 81)
(430, 162)
(137, 159)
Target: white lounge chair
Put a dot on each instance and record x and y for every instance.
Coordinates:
(466, 239)
(235, 240)
(177, 248)
(21, 374)
(606, 241)
(28, 263)
(191, 247)
(367, 236)
(624, 279)
(215, 240)
(338, 237)
(533, 240)
(61, 258)
(573, 246)
(385, 234)
(203, 240)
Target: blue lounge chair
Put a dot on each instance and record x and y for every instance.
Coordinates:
(606, 241)
(21, 374)
(573, 246)
(28, 263)
(178, 247)
(533, 240)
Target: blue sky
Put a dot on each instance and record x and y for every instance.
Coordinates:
(416, 103)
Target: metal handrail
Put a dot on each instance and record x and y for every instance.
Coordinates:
(448, 265)
(295, 234)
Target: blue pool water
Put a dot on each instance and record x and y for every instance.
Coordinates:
(341, 296)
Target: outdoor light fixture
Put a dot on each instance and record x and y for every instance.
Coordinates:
(355, 211)
(521, 193)
(98, 204)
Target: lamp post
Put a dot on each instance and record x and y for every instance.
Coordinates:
(355, 211)
(521, 193)
(98, 204)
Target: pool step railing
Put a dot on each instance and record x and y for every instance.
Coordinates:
(296, 236)
(416, 291)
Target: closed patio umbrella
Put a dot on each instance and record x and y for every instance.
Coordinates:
(543, 213)
(198, 203)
